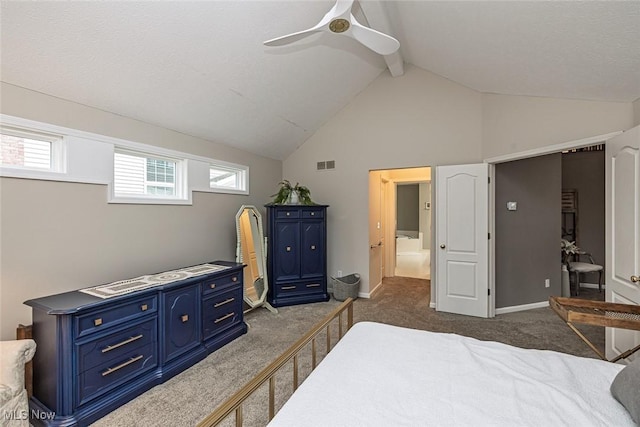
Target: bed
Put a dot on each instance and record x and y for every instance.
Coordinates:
(382, 375)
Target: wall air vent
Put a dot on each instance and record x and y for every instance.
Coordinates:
(327, 164)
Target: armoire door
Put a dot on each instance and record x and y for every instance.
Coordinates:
(312, 249)
(287, 251)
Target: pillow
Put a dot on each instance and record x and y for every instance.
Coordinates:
(625, 388)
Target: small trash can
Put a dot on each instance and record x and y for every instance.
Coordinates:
(346, 286)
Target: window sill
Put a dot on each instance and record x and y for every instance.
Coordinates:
(150, 201)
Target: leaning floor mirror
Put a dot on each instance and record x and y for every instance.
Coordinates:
(251, 251)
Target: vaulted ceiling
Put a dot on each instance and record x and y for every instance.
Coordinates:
(200, 67)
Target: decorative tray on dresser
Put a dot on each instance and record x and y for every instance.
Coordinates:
(100, 347)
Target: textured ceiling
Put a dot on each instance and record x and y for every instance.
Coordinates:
(200, 67)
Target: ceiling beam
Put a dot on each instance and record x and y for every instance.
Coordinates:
(376, 16)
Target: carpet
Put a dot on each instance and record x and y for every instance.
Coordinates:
(191, 395)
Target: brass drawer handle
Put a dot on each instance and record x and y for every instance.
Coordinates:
(313, 285)
(635, 279)
(184, 318)
(288, 248)
(98, 321)
(144, 307)
(212, 286)
(284, 288)
(227, 301)
(122, 365)
(234, 279)
(226, 316)
(120, 344)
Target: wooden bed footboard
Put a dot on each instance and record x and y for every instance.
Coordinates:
(234, 403)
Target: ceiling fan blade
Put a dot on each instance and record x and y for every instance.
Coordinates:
(342, 7)
(290, 38)
(374, 40)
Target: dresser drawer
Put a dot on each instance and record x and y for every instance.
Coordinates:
(221, 311)
(115, 346)
(298, 288)
(287, 214)
(313, 213)
(115, 314)
(222, 282)
(102, 378)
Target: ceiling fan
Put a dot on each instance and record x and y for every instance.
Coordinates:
(339, 20)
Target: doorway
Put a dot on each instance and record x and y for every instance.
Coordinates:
(413, 229)
(383, 217)
(583, 218)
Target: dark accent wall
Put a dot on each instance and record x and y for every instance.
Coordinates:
(407, 199)
(528, 239)
(584, 172)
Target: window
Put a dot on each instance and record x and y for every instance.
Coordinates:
(228, 177)
(135, 173)
(142, 175)
(24, 149)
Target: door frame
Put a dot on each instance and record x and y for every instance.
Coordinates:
(492, 161)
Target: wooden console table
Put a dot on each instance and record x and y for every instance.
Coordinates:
(598, 313)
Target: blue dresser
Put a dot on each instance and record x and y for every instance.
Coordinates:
(296, 254)
(96, 354)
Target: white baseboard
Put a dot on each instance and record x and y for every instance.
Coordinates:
(432, 305)
(523, 307)
(370, 294)
(589, 285)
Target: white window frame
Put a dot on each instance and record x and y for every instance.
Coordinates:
(58, 156)
(241, 171)
(181, 193)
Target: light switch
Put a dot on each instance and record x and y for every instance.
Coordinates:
(512, 206)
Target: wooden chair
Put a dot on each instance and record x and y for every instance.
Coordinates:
(578, 267)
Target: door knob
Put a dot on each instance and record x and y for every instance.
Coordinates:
(635, 279)
(442, 246)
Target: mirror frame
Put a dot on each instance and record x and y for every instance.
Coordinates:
(260, 240)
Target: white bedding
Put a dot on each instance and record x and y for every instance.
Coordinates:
(382, 375)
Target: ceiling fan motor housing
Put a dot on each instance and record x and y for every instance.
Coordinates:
(339, 25)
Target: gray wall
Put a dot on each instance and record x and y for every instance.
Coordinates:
(407, 197)
(584, 172)
(528, 239)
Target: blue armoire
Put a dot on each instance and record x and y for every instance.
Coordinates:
(296, 254)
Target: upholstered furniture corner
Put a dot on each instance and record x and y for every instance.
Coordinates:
(14, 402)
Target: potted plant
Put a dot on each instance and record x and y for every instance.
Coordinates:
(568, 250)
(292, 194)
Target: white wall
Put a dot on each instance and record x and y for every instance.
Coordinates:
(419, 119)
(512, 124)
(57, 236)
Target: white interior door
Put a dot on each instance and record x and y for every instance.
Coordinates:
(462, 248)
(623, 232)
